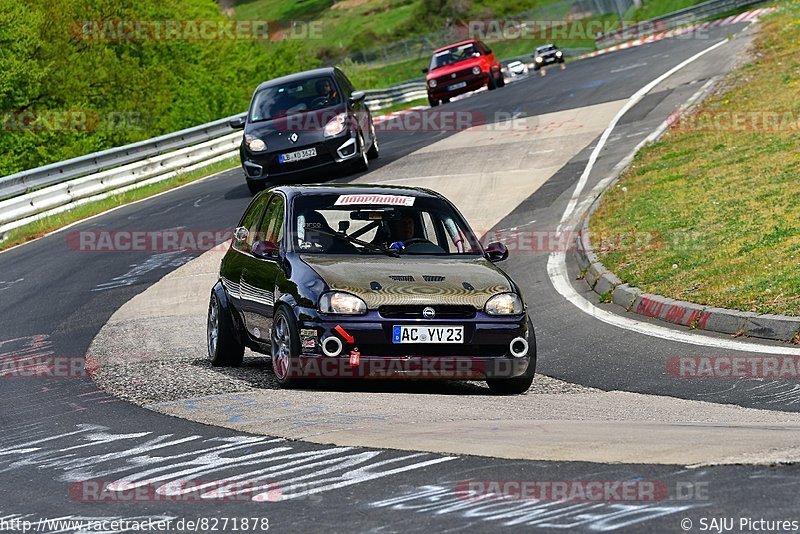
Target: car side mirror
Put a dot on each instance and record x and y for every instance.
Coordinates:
(496, 252)
(237, 123)
(264, 249)
(357, 96)
(425, 70)
(240, 234)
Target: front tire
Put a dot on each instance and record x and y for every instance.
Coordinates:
(225, 348)
(433, 102)
(374, 150)
(362, 161)
(519, 384)
(501, 82)
(285, 348)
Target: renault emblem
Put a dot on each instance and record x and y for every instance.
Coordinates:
(293, 138)
(428, 312)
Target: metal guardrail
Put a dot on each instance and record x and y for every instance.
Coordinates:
(672, 20)
(26, 181)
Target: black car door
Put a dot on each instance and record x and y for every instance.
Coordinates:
(236, 258)
(261, 269)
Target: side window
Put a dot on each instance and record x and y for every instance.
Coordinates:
(272, 226)
(250, 220)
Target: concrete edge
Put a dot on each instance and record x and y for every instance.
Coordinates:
(693, 316)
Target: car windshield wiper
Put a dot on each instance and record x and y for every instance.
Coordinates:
(388, 251)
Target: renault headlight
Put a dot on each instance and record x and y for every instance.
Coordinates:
(255, 144)
(504, 304)
(558, 54)
(476, 70)
(431, 83)
(337, 302)
(336, 125)
(539, 59)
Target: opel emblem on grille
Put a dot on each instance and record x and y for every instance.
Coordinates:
(293, 138)
(428, 312)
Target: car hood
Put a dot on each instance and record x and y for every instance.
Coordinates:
(411, 280)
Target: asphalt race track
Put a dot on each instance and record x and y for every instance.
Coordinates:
(58, 433)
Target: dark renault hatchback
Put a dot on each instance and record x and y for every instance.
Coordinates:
(302, 123)
(368, 281)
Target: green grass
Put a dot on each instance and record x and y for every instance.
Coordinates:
(721, 204)
(652, 9)
(53, 222)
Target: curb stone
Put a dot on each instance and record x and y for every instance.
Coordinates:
(688, 314)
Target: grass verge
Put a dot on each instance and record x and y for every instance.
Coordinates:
(54, 222)
(718, 196)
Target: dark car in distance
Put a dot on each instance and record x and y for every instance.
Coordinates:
(545, 55)
(459, 68)
(347, 281)
(303, 123)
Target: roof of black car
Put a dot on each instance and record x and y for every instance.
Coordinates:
(297, 76)
(360, 189)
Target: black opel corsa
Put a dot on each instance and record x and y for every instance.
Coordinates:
(345, 281)
(303, 122)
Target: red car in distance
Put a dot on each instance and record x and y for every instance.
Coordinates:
(459, 68)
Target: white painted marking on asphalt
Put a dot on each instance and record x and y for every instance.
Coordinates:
(157, 261)
(5, 285)
(547, 514)
(127, 461)
(628, 67)
(632, 101)
(556, 263)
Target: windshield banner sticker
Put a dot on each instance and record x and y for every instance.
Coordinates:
(390, 200)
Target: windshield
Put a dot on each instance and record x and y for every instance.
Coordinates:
(548, 48)
(291, 98)
(389, 224)
(454, 55)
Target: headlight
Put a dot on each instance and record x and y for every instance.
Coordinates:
(255, 144)
(342, 304)
(431, 83)
(538, 59)
(504, 304)
(336, 125)
(476, 70)
(558, 53)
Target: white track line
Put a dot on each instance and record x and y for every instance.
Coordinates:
(557, 266)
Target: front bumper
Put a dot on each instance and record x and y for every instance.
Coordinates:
(485, 352)
(330, 152)
(548, 60)
(473, 83)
